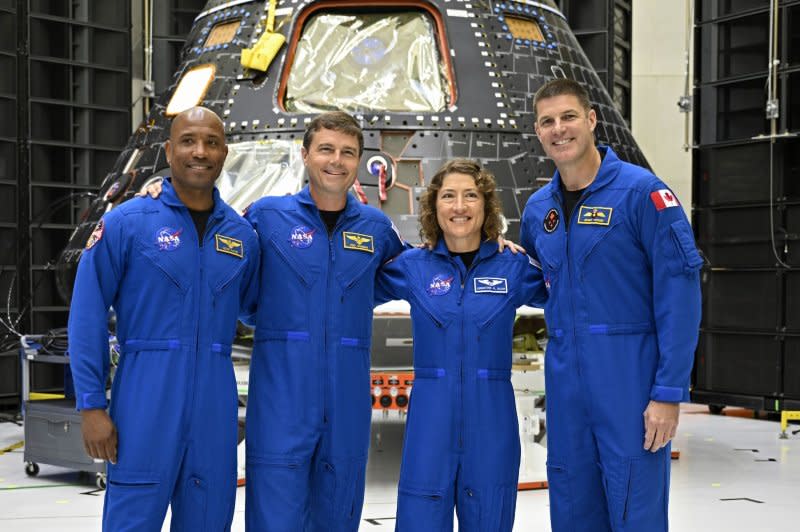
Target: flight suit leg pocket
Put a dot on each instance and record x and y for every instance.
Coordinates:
(617, 485)
(353, 499)
(323, 493)
(639, 487)
(420, 509)
(337, 494)
(277, 488)
(498, 511)
(468, 509)
(195, 507)
(134, 500)
(560, 491)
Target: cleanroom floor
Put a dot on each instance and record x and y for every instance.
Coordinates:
(733, 474)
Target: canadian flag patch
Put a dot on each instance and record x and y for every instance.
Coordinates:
(664, 198)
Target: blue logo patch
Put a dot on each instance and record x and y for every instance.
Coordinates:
(168, 239)
(490, 285)
(302, 237)
(440, 285)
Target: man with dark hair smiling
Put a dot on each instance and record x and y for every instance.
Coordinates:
(623, 315)
(308, 411)
(177, 270)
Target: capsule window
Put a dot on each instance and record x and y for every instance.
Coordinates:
(387, 58)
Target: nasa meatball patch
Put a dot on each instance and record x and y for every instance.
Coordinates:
(302, 237)
(440, 284)
(168, 239)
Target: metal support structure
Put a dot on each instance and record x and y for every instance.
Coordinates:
(746, 204)
(23, 283)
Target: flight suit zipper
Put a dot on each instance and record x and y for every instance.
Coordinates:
(324, 372)
(199, 291)
(324, 362)
(463, 278)
(575, 209)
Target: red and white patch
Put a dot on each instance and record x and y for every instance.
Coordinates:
(663, 199)
(96, 235)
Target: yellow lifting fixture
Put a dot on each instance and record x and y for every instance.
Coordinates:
(260, 56)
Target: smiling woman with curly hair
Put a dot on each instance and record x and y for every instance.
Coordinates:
(461, 445)
(430, 231)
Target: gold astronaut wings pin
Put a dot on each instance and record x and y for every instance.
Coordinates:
(228, 245)
(358, 242)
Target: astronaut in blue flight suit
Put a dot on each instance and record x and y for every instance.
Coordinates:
(309, 411)
(462, 438)
(623, 315)
(177, 270)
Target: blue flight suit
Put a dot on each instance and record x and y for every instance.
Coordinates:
(623, 318)
(174, 398)
(462, 436)
(309, 409)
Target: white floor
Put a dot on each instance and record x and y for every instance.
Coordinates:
(733, 474)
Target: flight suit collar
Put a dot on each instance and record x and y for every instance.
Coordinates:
(170, 197)
(486, 249)
(350, 208)
(609, 168)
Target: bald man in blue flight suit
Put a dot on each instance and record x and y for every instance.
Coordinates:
(177, 270)
(623, 315)
(309, 411)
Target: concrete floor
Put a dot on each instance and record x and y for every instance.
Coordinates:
(733, 474)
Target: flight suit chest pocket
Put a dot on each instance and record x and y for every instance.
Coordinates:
(550, 249)
(590, 238)
(226, 277)
(357, 268)
(298, 258)
(430, 309)
(164, 266)
(489, 308)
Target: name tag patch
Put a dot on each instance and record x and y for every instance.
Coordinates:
(594, 215)
(228, 245)
(490, 285)
(358, 242)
